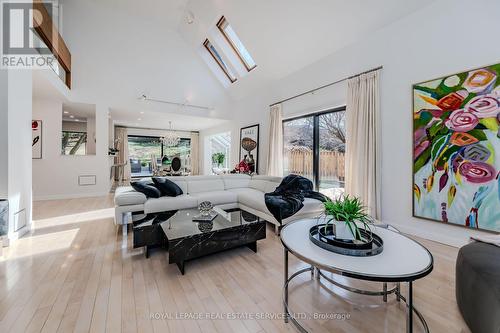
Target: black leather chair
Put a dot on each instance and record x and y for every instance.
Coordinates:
(478, 286)
(176, 164)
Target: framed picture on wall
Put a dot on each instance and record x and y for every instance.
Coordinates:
(456, 149)
(36, 139)
(249, 147)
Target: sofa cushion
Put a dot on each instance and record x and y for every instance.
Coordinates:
(167, 187)
(236, 181)
(253, 199)
(179, 181)
(163, 204)
(216, 197)
(126, 195)
(265, 184)
(311, 206)
(258, 184)
(146, 187)
(198, 184)
(271, 186)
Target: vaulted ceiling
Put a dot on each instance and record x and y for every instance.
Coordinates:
(122, 49)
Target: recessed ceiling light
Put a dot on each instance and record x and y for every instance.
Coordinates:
(72, 116)
(142, 112)
(189, 17)
(139, 119)
(77, 120)
(66, 112)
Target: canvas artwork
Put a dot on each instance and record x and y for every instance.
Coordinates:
(457, 149)
(249, 147)
(36, 139)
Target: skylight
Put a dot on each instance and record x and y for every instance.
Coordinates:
(218, 59)
(233, 39)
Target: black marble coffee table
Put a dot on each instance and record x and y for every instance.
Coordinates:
(188, 240)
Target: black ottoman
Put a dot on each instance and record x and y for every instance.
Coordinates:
(478, 286)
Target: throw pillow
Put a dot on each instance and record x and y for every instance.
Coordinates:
(167, 187)
(146, 187)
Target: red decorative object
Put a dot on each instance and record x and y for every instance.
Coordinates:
(34, 124)
(242, 167)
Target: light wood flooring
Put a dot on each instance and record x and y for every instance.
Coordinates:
(72, 275)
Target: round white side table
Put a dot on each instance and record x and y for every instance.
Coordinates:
(402, 260)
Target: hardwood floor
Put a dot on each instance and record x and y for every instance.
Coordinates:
(72, 275)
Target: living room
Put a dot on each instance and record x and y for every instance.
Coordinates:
(217, 166)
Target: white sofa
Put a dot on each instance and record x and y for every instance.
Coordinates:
(225, 191)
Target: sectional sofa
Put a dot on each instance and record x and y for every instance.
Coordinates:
(225, 191)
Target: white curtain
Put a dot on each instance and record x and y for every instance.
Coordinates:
(362, 141)
(275, 153)
(121, 138)
(195, 153)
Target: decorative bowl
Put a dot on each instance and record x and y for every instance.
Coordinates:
(205, 207)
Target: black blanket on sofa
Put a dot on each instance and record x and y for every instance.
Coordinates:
(287, 199)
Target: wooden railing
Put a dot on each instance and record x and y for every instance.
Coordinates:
(331, 164)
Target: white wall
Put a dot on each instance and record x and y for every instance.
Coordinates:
(4, 150)
(15, 148)
(430, 43)
(56, 176)
(247, 112)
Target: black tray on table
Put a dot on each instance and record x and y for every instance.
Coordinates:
(327, 241)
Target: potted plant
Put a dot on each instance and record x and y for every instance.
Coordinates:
(345, 217)
(218, 158)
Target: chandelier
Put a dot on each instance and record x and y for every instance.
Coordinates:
(170, 138)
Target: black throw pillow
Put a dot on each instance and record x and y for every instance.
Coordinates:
(146, 187)
(167, 187)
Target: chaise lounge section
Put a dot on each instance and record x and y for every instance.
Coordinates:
(226, 191)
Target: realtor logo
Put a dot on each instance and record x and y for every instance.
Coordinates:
(21, 45)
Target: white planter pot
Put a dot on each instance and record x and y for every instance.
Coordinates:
(342, 231)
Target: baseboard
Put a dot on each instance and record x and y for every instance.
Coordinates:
(409, 228)
(69, 196)
(15, 235)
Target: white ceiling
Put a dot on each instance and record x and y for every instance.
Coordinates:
(284, 36)
(123, 49)
(160, 120)
(78, 111)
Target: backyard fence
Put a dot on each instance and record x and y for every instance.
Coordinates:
(331, 164)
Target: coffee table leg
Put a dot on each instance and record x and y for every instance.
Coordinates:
(285, 259)
(181, 266)
(385, 292)
(409, 309)
(253, 246)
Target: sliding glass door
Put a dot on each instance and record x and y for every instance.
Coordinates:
(314, 147)
(140, 150)
(331, 171)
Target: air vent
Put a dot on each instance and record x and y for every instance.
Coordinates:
(87, 180)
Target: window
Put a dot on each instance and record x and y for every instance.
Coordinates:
(141, 148)
(218, 59)
(74, 143)
(314, 147)
(219, 149)
(238, 47)
(182, 150)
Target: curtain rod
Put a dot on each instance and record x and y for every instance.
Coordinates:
(327, 85)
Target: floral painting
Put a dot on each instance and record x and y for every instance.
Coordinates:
(456, 149)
